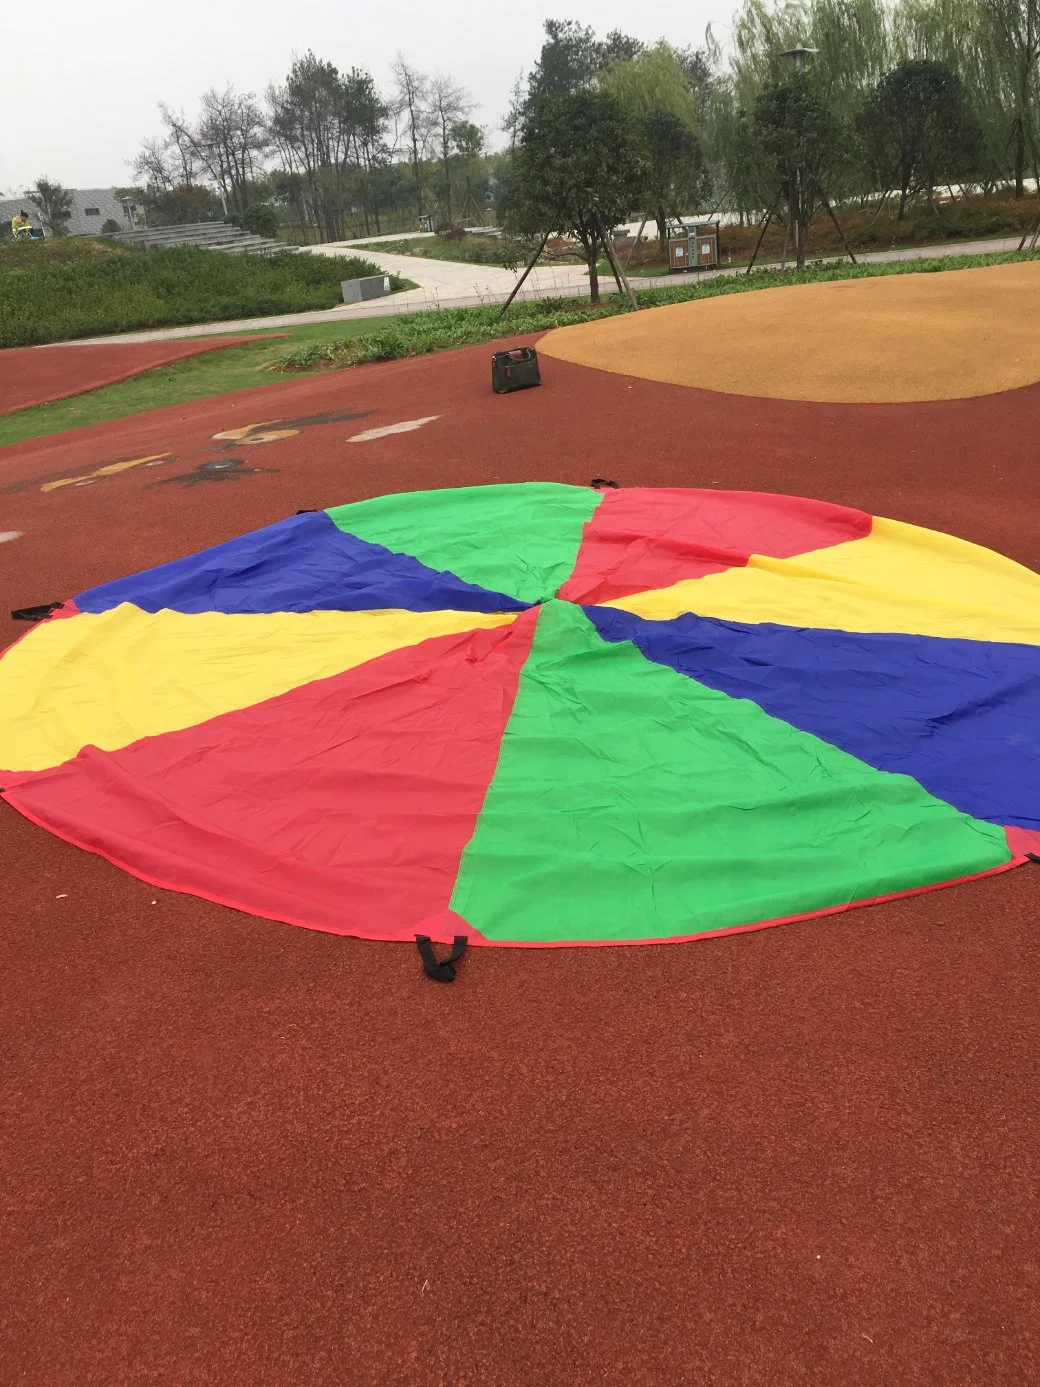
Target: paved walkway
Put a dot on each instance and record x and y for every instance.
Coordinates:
(451, 284)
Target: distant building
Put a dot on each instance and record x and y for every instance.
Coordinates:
(91, 208)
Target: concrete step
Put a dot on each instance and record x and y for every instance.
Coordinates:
(221, 236)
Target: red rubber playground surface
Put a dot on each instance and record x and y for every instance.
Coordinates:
(38, 375)
(235, 1152)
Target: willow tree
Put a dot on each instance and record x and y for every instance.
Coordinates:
(960, 34)
(853, 39)
(653, 90)
(651, 83)
(1014, 29)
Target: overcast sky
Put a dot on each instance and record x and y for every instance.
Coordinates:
(81, 80)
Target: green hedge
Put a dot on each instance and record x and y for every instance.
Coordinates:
(41, 302)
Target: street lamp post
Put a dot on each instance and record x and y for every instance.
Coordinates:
(799, 54)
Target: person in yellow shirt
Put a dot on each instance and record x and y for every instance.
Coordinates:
(21, 227)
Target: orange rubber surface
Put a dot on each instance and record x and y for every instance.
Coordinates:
(891, 338)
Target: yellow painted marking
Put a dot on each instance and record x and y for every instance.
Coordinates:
(248, 433)
(899, 578)
(109, 470)
(109, 679)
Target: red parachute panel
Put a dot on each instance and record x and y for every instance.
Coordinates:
(343, 805)
(643, 538)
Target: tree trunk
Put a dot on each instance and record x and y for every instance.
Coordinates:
(662, 231)
(590, 260)
(1020, 156)
(903, 193)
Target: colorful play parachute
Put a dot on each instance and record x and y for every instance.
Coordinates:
(543, 714)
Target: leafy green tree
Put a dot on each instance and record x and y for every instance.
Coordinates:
(675, 174)
(801, 143)
(261, 219)
(619, 48)
(854, 39)
(572, 56)
(918, 130)
(468, 141)
(569, 61)
(326, 126)
(579, 170)
(54, 204)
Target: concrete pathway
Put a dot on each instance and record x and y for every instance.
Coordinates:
(450, 284)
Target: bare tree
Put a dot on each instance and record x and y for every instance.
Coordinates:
(153, 164)
(413, 104)
(232, 140)
(449, 104)
(181, 147)
(228, 143)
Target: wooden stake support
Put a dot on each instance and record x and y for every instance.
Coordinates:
(530, 266)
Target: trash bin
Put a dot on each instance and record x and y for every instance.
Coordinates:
(678, 252)
(704, 245)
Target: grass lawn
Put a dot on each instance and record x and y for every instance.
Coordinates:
(467, 249)
(197, 378)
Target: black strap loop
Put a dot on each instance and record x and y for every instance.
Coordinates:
(437, 969)
(40, 613)
(598, 483)
(1033, 856)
